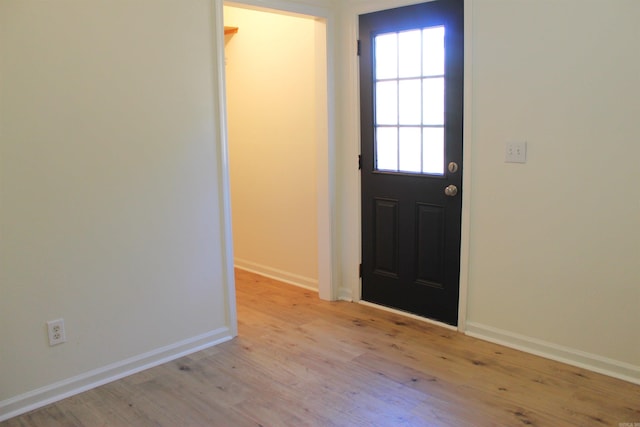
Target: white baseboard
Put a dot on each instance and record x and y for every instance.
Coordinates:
(570, 356)
(280, 275)
(29, 401)
(345, 295)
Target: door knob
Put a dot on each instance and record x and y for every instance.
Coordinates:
(451, 190)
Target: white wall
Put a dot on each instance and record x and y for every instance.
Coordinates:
(110, 212)
(273, 127)
(553, 245)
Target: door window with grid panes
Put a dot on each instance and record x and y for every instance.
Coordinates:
(409, 101)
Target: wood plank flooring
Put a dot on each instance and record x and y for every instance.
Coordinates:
(300, 361)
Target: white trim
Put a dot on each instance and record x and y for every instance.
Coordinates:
(351, 211)
(559, 353)
(467, 147)
(409, 315)
(224, 187)
(285, 7)
(327, 286)
(345, 295)
(370, 6)
(279, 275)
(71, 386)
(325, 158)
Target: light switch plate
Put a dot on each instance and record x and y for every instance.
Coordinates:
(516, 152)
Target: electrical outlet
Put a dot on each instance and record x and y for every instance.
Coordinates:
(55, 328)
(516, 152)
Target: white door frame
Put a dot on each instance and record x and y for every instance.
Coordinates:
(327, 287)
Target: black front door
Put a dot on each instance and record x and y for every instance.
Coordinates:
(411, 82)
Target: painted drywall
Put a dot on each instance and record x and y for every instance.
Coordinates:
(553, 245)
(110, 207)
(273, 131)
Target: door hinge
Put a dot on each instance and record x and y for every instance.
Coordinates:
(358, 48)
(359, 161)
(360, 271)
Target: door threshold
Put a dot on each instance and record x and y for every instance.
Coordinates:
(409, 315)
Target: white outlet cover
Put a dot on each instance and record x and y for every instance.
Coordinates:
(516, 152)
(55, 330)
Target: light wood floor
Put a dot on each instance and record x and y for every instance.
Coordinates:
(300, 361)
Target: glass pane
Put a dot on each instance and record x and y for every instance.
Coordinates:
(409, 47)
(433, 51)
(387, 149)
(433, 151)
(433, 101)
(410, 102)
(386, 56)
(410, 150)
(387, 103)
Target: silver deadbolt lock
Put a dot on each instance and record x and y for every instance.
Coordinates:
(453, 167)
(451, 190)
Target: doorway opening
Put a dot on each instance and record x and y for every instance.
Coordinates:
(276, 87)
